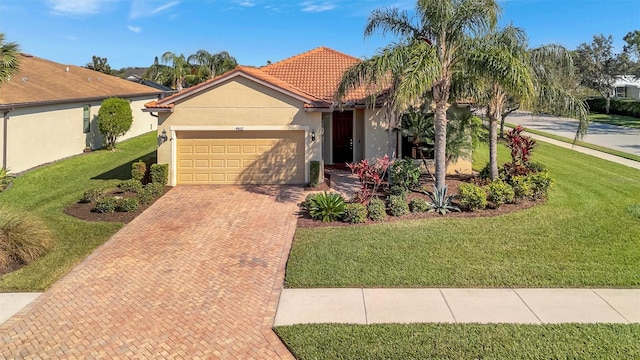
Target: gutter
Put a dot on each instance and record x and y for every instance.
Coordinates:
(5, 137)
(13, 106)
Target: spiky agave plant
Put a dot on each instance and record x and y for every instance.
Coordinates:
(441, 202)
(326, 206)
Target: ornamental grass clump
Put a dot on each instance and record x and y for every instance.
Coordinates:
(326, 207)
(23, 238)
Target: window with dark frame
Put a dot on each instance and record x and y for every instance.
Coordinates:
(86, 119)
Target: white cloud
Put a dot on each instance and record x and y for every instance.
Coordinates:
(135, 29)
(311, 6)
(147, 8)
(246, 3)
(78, 7)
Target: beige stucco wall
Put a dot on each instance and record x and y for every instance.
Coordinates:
(38, 135)
(376, 136)
(240, 102)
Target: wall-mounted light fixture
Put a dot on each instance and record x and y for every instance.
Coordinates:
(313, 134)
(162, 137)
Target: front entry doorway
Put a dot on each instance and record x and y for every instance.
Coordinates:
(342, 137)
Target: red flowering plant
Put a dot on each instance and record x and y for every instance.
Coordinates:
(521, 147)
(371, 176)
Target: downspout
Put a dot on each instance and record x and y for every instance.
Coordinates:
(5, 137)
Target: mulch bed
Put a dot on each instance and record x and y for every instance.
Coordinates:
(84, 211)
(453, 182)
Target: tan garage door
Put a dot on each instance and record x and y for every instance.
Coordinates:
(240, 157)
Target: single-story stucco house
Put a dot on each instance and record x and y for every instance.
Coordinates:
(50, 111)
(627, 86)
(265, 125)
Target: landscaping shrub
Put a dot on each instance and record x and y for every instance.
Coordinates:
(160, 174)
(131, 185)
(371, 176)
(106, 204)
(485, 173)
(472, 197)
(5, 178)
(306, 204)
(521, 146)
(405, 173)
(23, 238)
(155, 189)
(314, 173)
(521, 187)
(419, 205)
(127, 205)
(327, 207)
(398, 191)
(145, 196)
(499, 192)
(536, 167)
(377, 209)
(398, 205)
(441, 202)
(634, 210)
(540, 182)
(625, 107)
(355, 213)
(91, 195)
(138, 171)
(114, 119)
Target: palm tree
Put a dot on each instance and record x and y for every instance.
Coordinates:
(180, 68)
(9, 59)
(530, 77)
(433, 46)
(211, 65)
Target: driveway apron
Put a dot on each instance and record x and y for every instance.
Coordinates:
(198, 275)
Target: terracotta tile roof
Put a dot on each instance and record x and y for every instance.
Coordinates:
(312, 76)
(44, 81)
(317, 72)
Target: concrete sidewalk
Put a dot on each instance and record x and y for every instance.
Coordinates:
(526, 306)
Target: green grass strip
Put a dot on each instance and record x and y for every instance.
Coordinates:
(462, 341)
(580, 143)
(618, 120)
(47, 190)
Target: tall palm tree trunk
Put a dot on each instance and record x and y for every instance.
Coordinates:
(494, 113)
(441, 143)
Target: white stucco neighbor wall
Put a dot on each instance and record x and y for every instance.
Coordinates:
(41, 134)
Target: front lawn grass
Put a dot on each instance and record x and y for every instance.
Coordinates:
(46, 191)
(462, 341)
(583, 236)
(618, 120)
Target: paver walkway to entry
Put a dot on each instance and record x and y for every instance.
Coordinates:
(197, 275)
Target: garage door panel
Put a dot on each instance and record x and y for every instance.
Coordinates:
(243, 157)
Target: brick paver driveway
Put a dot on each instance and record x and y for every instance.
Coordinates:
(197, 275)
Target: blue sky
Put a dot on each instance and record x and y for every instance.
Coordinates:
(132, 32)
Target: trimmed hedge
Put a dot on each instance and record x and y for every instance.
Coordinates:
(314, 173)
(160, 174)
(623, 107)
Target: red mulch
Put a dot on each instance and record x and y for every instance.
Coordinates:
(453, 182)
(84, 211)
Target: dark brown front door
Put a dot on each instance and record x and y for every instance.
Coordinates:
(342, 137)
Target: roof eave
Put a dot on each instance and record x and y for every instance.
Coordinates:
(71, 100)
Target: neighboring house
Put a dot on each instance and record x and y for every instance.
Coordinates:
(627, 86)
(50, 111)
(166, 91)
(264, 125)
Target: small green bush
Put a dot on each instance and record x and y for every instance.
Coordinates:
(127, 205)
(485, 173)
(327, 207)
(160, 174)
(377, 209)
(23, 238)
(314, 173)
(396, 190)
(472, 197)
(405, 173)
(634, 210)
(155, 189)
(355, 213)
(398, 205)
(114, 119)
(106, 204)
(499, 192)
(138, 171)
(419, 205)
(540, 183)
(91, 195)
(131, 185)
(536, 167)
(521, 187)
(306, 204)
(145, 196)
